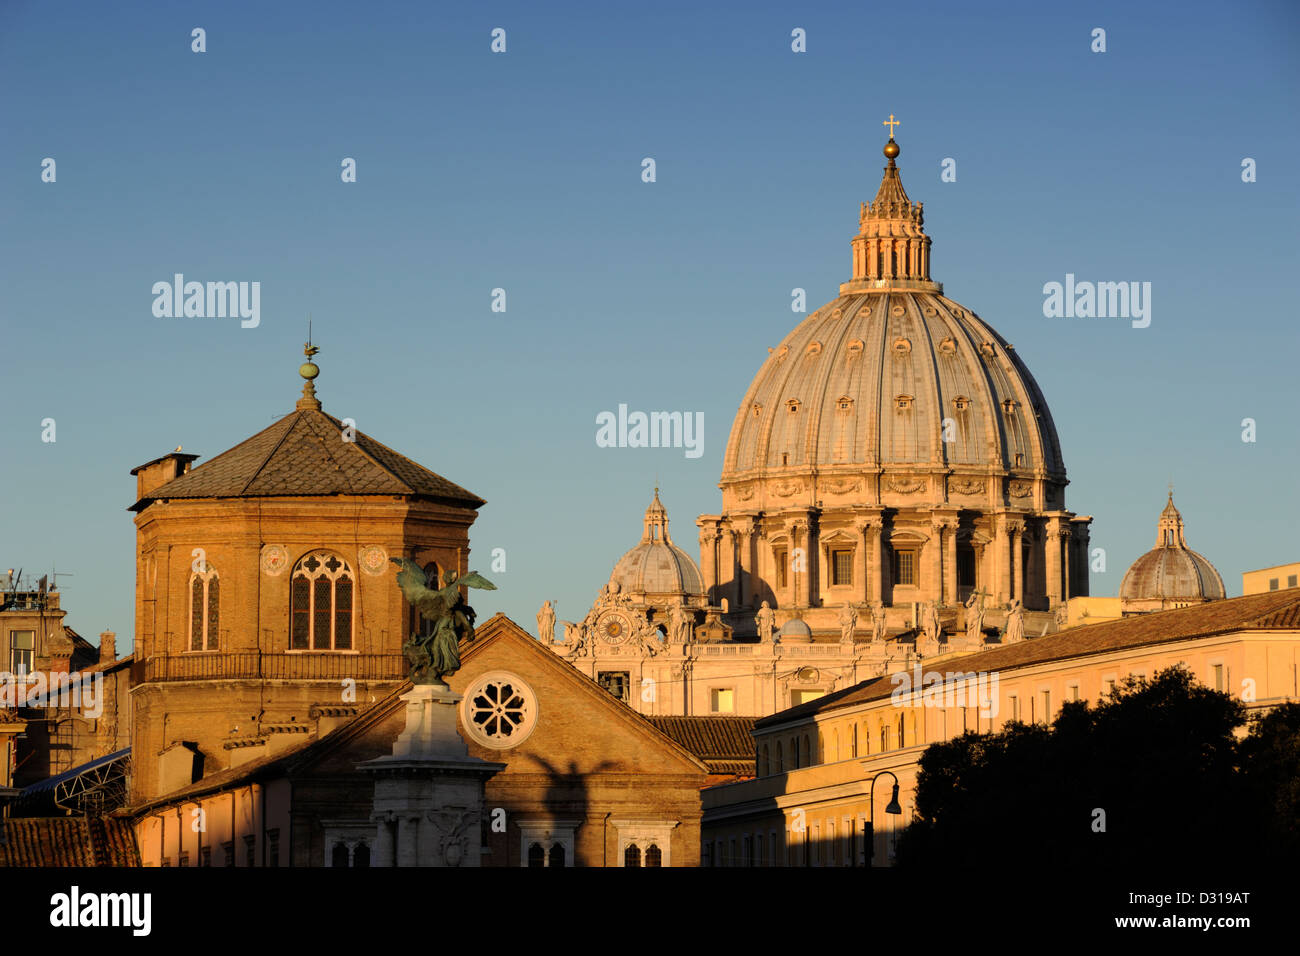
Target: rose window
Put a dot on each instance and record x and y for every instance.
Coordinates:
(499, 711)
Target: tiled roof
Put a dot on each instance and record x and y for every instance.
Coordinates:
(304, 454)
(1274, 610)
(723, 743)
(69, 841)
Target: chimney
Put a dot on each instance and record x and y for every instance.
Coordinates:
(156, 473)
(107, 647)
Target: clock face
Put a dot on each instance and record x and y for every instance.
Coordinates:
(613, 628)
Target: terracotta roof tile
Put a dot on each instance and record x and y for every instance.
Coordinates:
(69, 841)
(1274, 610)
(711, 738)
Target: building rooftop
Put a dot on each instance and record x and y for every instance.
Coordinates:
(1274, 610)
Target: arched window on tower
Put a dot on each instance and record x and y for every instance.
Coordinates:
(632, 855)
(653, 857)
(321, 603)
(205, 611)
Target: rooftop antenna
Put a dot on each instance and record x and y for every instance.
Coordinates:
(55, 573)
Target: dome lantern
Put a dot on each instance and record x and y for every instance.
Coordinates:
(891, 250)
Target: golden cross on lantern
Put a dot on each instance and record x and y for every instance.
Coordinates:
(891, 123)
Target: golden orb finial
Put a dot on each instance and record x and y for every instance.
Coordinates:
(891, 150)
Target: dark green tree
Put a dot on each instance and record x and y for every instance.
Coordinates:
(1154, 763)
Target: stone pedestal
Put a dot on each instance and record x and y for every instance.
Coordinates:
(429, 792)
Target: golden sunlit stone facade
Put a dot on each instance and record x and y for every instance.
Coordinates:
(812, 797)
(892, 451)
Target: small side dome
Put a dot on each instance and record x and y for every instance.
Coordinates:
(1171, 574)
(795, 630)
(656, 566)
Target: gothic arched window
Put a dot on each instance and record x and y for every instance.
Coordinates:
(321, 603)
(652, 855)
(536, 855)
(632, 855)
(205, 597)
(556, 854)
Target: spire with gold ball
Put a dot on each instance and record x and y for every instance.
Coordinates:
(891, 249)
(309, 370)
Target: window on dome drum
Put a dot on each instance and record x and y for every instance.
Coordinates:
(722, 700)
(782, 569)
(321, 593)
(22, 652)
(616, 682)
(205, 598)
(965, 566)
(841, 567)
(905, 568)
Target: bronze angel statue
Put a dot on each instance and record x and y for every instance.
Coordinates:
(436, 653)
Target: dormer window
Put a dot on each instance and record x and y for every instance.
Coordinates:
(961, 403)
(903, 402)
(792, 405)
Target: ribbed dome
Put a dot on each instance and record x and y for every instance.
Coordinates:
(656, 566)
(869, 380)
(1170, 573)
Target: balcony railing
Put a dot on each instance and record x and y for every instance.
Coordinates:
(254, 665)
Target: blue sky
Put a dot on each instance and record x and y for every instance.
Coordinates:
(522, 171)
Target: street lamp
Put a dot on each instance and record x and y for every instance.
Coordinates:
(892, 807)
